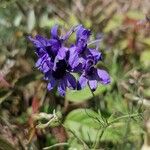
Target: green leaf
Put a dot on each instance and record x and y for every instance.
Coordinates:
(83, 124)
(83, 95)
(116, 103)
(114, 133)
(74, 143)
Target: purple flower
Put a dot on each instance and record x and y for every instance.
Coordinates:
(82, 37)
(53, 60)
(92, 76)
(60, 75)
(47, 49)
(58, 62)
(48, 46)
(80, 50)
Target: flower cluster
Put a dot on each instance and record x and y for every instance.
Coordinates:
(57, 61)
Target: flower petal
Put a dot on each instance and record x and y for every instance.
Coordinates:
(44, 63)
(62, 88)
(54, 31)
(38, 63)
(55, 44)
(71, 81)
(83, 33)
(62, 53)
(40, 43)
(103, 76)
(51, 84)
(48, 76)
(46, 66)
(82, 82)
(96, 54)
(42, 40)
(35, 42)
(82, 36)
(93, 84)
(73, 57)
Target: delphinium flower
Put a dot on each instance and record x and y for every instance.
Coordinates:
(88, 57)
(60, 75)
(47, 49)
(80, 50)
(53, 60)
(58, 61)
(92, 75)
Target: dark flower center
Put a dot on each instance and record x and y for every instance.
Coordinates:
(89, 68)
(53, 49)
(50, 52)
(90, 71)
(60, 71)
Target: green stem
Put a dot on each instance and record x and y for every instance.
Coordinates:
(79, 139)
(109, 123)
(95, 41)
(97, 106)
(55, 145)
(91, 91)
(125, 116)
(93, 95)
(99, 138)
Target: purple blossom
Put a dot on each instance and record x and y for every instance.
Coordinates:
(92, 76)
(82, 37)
(47, 49)
(58, 62)
(53, 61)
(60, 75)
(80, 50)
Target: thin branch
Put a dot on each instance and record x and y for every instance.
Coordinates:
(123, 117)
(94, 42)
(55, 145)
(91, 91)
(84, 144)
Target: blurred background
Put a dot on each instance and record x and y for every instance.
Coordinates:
(116, 118)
